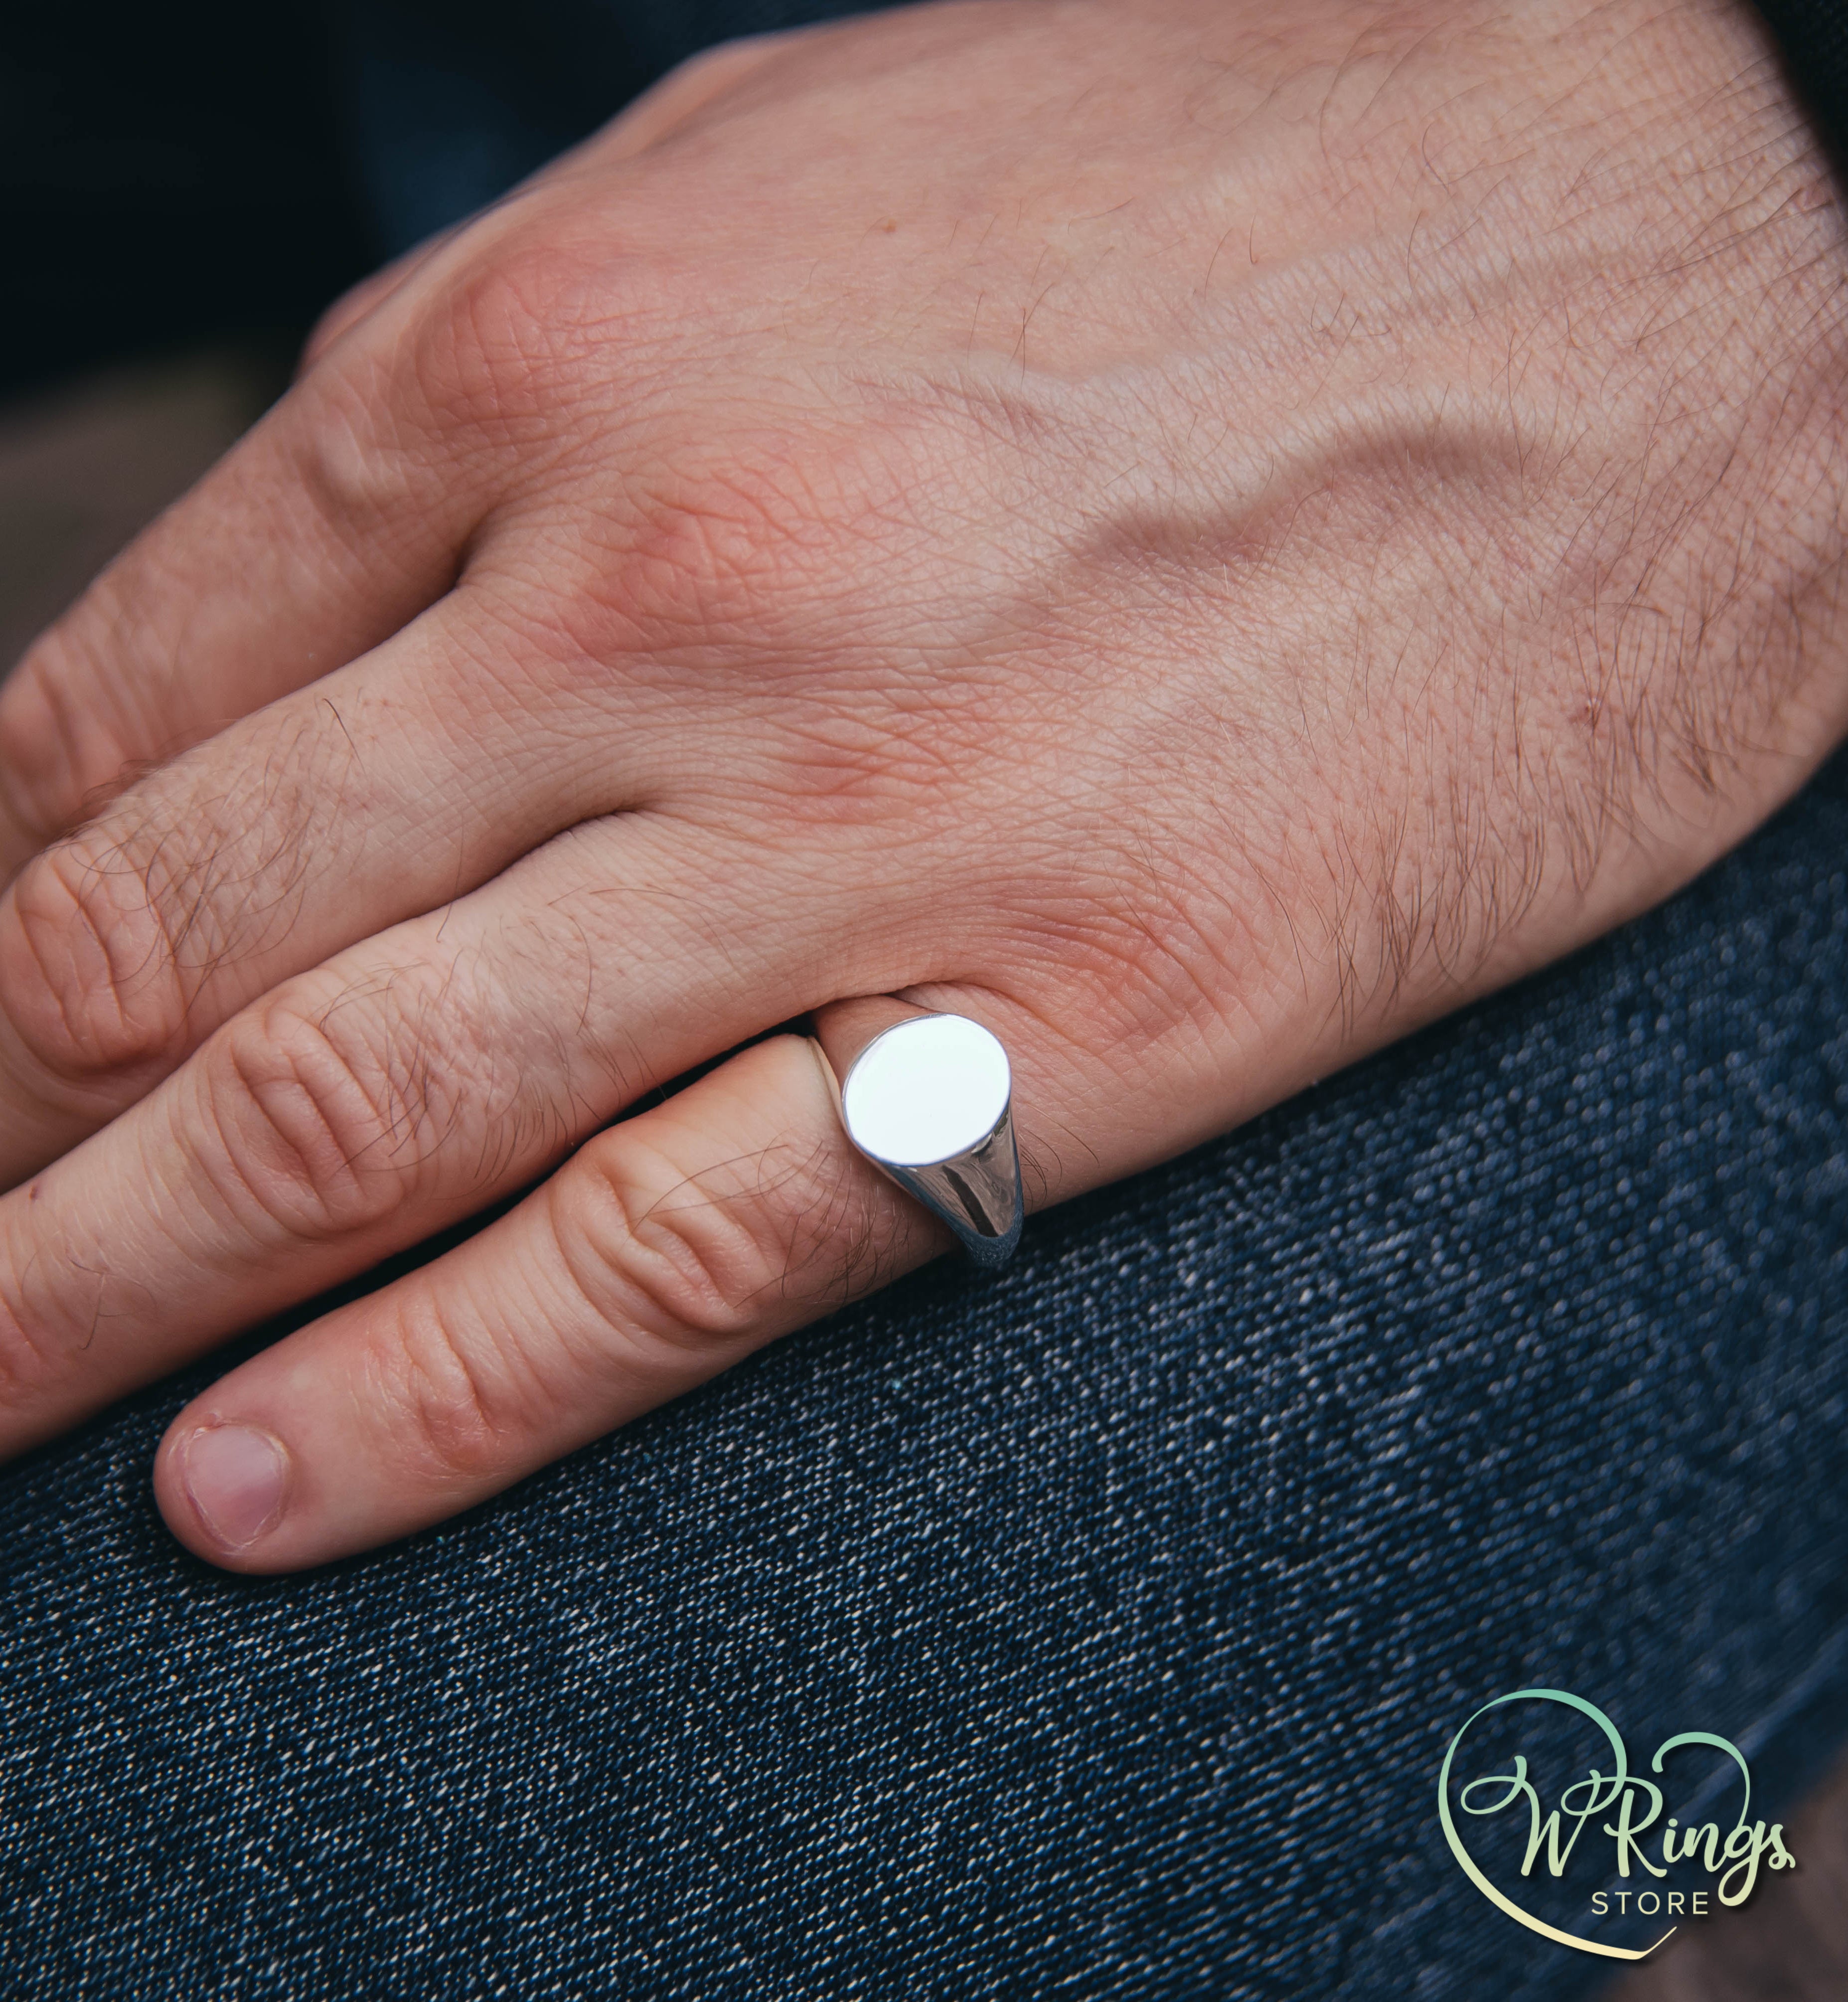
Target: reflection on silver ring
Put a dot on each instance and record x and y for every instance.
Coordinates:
(929, 1103)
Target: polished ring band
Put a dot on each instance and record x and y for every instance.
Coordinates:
(929, 1101)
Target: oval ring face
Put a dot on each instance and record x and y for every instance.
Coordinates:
(926, 1091)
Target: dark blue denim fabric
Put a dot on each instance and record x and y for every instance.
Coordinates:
(1094, 1631)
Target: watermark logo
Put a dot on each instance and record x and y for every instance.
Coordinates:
(1668, 1866)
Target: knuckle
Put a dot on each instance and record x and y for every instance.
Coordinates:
(757, 539)
(455, 1410)
(493, 351)
(324, 1118)
(124, 943)
(688, 1260)
(54, 1302)
(89, 977)
(348, 445)
(58, 752)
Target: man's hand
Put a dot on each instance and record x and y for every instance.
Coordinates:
(1202, 536)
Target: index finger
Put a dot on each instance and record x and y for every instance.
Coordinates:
(334, 521)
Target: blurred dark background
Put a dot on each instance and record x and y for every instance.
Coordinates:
(168, 176)
(184, 189)
(176, 208)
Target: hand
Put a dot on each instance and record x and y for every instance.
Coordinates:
(1201, 535)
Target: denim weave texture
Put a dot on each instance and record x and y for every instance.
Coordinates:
(1093, 1631)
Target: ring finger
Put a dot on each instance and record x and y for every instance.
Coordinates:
(664, 1251)
(407, 1084)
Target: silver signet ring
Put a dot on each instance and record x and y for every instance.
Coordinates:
(930, 1102)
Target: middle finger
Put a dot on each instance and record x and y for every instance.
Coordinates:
(279, 842)
(407, 1084)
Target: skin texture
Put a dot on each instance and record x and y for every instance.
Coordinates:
(1201, 535)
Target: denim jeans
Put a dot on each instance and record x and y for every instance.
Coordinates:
(1095, 1630)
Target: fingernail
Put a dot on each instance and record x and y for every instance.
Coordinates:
(234, 1478)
